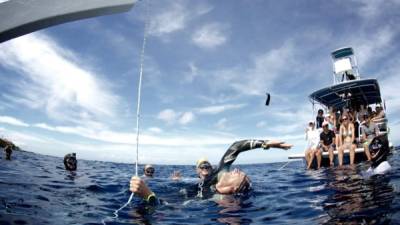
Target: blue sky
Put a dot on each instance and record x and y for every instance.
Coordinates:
(207, 67)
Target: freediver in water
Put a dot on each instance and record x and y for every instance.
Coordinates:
(70, 162)
(148, 171)
(218, 180)
(379, 149)
(8, 150)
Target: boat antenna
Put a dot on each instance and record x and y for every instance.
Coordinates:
(142, 55)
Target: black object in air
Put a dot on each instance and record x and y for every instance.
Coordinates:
(268, 99)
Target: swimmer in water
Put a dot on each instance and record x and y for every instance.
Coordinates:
(8, 150)
(218, 180)
(148, 171)
(70, 162)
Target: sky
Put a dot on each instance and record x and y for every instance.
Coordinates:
(207, 67)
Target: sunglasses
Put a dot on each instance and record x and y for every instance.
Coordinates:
(149, 170)
(205, 166)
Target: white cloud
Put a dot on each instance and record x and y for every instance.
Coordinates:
(56, 80)
(186, 118)
(210, 36)
(168, 115)
(219, 108)
(222, 123)
(13, 121)
(261, 75)
(372, 9)
(175, 16)
(371, 47)
(171, 117)
(261, 124)
(156, 130)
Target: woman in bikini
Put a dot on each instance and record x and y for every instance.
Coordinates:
(347, 136)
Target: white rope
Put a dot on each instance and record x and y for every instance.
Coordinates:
(284, 165)
(137, 109)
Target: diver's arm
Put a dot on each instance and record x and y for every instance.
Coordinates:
(139, 187)
(241, 146)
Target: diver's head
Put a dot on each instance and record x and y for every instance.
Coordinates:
(234, 182)
(70, 161)
(203, 168)
(148, 170)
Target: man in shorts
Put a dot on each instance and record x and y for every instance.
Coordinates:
(327, 138)
(369, 131)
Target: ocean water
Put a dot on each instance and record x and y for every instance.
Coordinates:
(35, 189)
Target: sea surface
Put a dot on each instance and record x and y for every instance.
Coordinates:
(35, 189)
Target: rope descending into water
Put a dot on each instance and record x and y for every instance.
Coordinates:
(137, 108)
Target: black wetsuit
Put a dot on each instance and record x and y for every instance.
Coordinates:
(206, 188)
(8, 151)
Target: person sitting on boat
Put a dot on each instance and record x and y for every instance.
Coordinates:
(380, 114)
(327, 138)
(347, 137)
(218, 180)
(369, 131)
(312, 138)
(148, 171)
(320, 118)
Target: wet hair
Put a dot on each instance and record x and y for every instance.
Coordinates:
(320, 111)
(70, 161)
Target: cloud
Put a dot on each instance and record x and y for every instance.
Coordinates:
(13, 121)
(219, 108)
(168, 115)
(156, 130)
(210, 36)
(186, 118)
(171, 20)
(371, 47)
(175, 16)
(372, 9)
(261, 124)
(56, 80)
(171, 117)
(221, 124)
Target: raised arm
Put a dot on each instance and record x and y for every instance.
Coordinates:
(241, 146)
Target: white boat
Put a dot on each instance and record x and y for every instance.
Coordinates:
(348, 90)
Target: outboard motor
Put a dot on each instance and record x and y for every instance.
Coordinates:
(70, 162)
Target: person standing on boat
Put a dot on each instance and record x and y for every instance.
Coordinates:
(312, 137)
(346, 141)
(327, 138)
(369, 131)
(320, 118)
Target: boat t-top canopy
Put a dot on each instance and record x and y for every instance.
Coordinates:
(355, 92)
